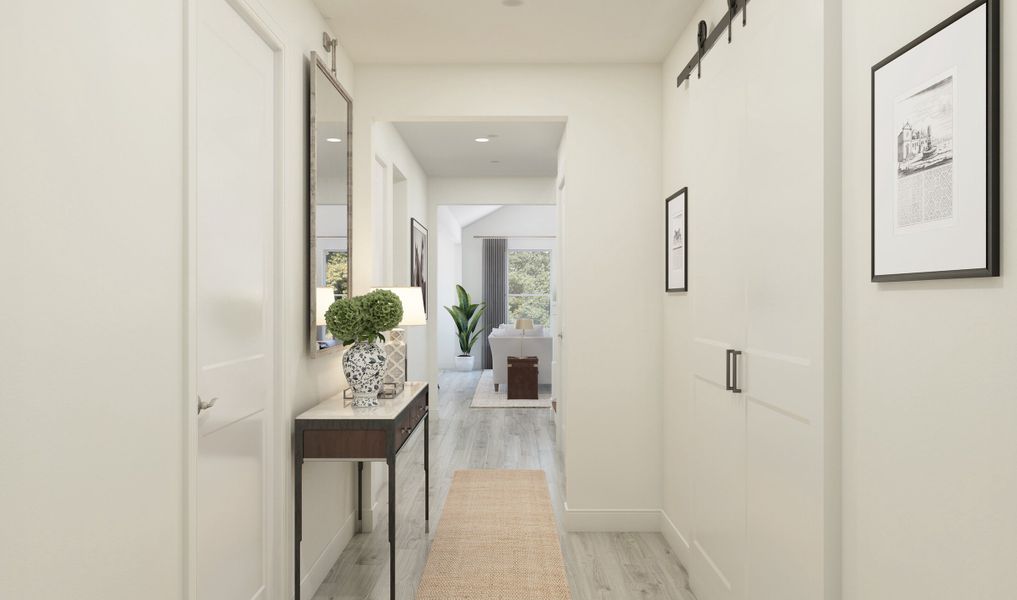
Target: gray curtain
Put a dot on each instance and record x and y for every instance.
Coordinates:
(494, 293)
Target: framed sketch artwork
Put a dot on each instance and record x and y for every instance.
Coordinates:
(418, 258)
(677, 241)
(935, 152)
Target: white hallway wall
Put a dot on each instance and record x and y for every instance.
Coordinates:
(613, 166)
(449, 257)
(112, 398)
(389, 146)
(329, 488)
(108, 399)
(929, 408)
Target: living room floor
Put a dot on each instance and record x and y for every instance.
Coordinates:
(600, 565)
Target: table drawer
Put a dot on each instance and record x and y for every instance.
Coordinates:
(410, 418)
(350, 444)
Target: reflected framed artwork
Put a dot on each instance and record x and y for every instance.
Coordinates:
(676, 249)
(935, 152)
(418, 258)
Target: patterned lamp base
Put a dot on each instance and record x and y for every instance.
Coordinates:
(395, 352)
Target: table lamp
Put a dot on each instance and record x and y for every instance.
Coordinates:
(412, 299)
(524, 324)
(323, 299)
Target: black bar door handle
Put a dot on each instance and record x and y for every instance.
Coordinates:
(727, 371)
(734, 371)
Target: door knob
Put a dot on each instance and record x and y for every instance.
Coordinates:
(202, 405)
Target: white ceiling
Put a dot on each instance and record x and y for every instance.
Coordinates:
(468, 214)
(516, 149)
(332, 155)
(488, 31)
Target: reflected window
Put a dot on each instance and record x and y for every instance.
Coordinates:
(337, 271)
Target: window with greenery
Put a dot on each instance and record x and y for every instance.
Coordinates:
(337, 272)
(529, 285)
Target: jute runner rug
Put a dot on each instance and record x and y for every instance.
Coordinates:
(496, 540)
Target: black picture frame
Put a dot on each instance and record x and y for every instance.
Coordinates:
(681, 195)
(992, 147)
(418, 258)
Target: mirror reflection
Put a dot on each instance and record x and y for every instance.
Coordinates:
(329, 136)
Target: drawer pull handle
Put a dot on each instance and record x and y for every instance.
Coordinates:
(734, 371)
(727, 370)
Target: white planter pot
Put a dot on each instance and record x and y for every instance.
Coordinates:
(464, 363)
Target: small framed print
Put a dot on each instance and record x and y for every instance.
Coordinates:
(676, 216)
(418, 258)
(935, 152)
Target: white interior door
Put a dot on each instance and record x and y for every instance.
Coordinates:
(717, 288)
(233, 258)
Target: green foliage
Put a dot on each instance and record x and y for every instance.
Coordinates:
(467, 317)
(529, 272)
(382, 310)
(337, 271)
(363, 318)
(537, 308)
(529, 285)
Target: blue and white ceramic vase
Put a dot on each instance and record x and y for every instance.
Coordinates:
(364, 366)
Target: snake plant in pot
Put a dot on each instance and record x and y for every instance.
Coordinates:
(358, 323)
(467, 317)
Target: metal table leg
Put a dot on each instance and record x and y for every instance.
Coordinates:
(427, 474)
(360, 496)
(392, 524)
(298, 510)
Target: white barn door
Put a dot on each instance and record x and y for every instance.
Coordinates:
(717, 290)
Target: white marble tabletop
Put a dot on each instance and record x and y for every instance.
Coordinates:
(338, 408)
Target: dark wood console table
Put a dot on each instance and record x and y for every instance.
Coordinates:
(334, 430)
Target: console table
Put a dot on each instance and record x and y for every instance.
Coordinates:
(334, 430)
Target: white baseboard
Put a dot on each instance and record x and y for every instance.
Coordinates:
(367, 523)
(678, 542)
(319, 570)
(644, 520)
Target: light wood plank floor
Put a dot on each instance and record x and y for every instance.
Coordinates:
(600, 565)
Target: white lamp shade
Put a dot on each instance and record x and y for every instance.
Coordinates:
(524, 324)
(413, 305)
(323, 299)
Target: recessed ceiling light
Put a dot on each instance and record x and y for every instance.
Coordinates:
(511, 3)
(333, 140)
(482, 140)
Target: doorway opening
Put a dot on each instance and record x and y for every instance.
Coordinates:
(490, 209)
(505, 258)
(469, 211)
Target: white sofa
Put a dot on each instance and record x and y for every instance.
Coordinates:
(507, 341)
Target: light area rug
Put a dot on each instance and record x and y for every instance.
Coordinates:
(486, 397)
(496, 540)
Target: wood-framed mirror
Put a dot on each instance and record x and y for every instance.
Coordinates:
(330, 199)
